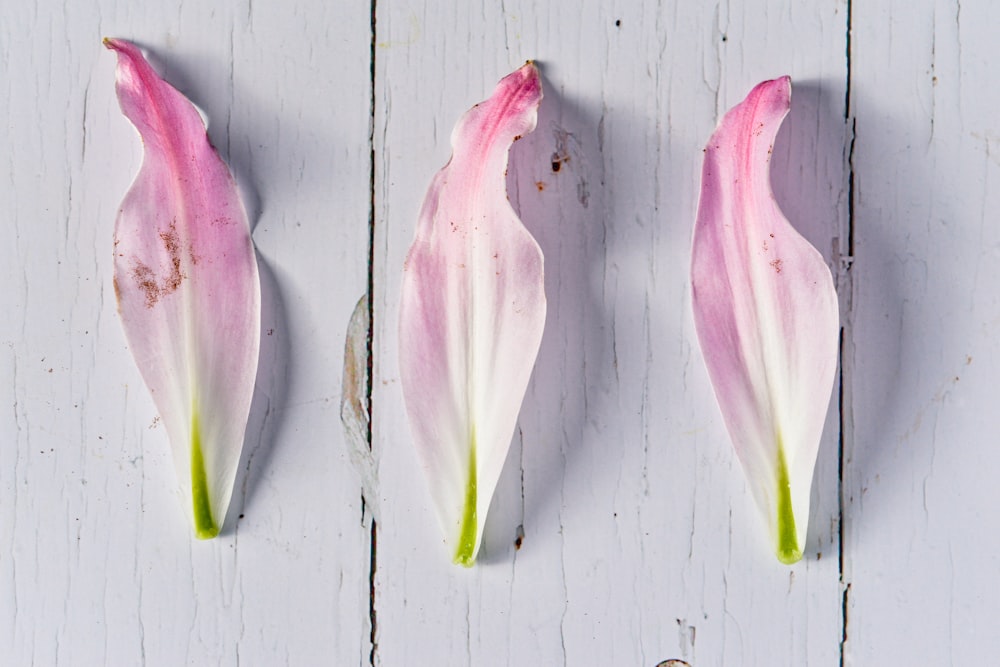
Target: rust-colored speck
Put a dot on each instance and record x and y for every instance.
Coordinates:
(776, 265)
(145, 278)
(540, 185)
(172, 244)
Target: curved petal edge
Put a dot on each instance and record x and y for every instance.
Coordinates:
(472, 311)
(185, 277)
(767, 316)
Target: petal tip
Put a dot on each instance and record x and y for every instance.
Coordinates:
(465, 560)
(206, 532)
(789, 556)
(776, 91)
(527, 80)
(115, 44)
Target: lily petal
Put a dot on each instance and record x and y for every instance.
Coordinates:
(471, 314)
(766, 314)
(187, 287)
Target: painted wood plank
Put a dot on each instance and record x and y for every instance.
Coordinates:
(921, 499)
(98, 564)
(639, 540)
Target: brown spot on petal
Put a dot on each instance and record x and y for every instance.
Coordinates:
(146, 279)
(776, 264)
(172, 244)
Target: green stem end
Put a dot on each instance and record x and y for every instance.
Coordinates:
(788, 551)
(465, 555)
(205, 527)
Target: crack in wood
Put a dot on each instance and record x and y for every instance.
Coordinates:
(846, 336)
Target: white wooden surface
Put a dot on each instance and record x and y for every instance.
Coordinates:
(639, 542)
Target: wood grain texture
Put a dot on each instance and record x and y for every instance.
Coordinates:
(920, 488)
(640, 540)
(622, 531)
(97, 562)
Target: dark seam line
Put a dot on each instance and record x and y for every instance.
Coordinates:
(847, 330)
(372, 561)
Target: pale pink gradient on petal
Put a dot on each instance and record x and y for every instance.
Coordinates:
(187, 286)
(766, 313)
(472, 312)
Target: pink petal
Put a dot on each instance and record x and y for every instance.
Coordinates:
(471, 314)
(767, 317)
(187, 287)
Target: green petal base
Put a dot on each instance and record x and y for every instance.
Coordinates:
(205, 527)
(788, 551)
(466, 553)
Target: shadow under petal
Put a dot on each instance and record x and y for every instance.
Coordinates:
(555, 183)
(269, 396)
